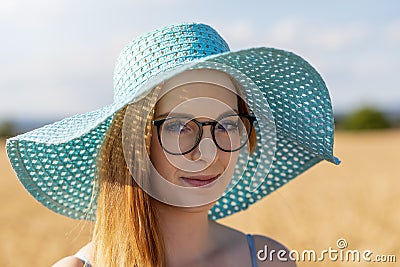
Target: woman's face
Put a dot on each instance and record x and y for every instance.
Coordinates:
(205, 163)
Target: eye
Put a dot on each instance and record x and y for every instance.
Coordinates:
(227, 125)
(177, 126)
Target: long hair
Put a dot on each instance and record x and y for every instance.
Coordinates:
(126, 231)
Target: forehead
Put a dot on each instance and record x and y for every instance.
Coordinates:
(197, 99)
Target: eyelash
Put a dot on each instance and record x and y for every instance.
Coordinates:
(233, 126)
(178, 126)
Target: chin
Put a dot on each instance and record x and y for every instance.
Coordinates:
(202, 208)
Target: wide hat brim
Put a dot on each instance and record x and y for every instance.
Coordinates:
(57, 163)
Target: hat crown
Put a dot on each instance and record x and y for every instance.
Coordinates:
(161, 50)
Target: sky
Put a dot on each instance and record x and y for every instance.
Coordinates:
(57, 56)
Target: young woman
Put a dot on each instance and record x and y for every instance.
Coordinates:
(195, 133)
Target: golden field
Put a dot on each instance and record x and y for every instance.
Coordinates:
(358, 200)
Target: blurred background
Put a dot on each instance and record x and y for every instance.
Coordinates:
(57, 60)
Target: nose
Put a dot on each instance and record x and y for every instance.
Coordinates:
(206, 150)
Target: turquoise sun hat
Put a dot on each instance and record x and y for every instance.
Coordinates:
(57, 163)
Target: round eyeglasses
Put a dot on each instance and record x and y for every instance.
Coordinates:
(181, 135)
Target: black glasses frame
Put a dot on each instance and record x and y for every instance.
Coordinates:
(158, 123)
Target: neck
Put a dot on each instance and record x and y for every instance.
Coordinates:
(186, 233)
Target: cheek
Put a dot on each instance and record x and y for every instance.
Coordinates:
(158, 159)
(228, 160)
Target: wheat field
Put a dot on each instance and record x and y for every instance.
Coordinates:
(357, 201)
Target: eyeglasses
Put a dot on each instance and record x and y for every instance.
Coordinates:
(181, 135)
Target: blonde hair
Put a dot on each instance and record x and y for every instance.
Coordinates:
(127, 231)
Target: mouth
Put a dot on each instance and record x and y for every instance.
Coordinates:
(200, 180)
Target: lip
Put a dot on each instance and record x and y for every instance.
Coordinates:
(200, 180)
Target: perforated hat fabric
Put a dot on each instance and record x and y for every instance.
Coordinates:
(57, 163)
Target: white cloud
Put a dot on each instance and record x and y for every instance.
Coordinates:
(339, 37)
(19, 11)
(7, 6)
(301, 33)
(371, 67)
(392, 32)
(285, 32)
(238, 34)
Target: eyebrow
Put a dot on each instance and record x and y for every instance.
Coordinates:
(186, 115)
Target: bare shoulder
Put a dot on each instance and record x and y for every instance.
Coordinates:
(264, 247)
(69, 261)
(271, 253)
(72, 261)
